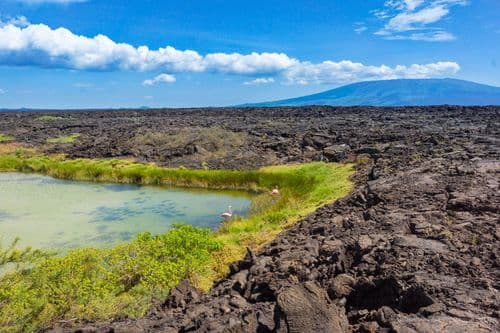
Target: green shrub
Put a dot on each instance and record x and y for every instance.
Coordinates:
(19, 257)
(100, 283)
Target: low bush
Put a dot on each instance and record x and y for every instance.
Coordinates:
(100, 283)
(11, 255)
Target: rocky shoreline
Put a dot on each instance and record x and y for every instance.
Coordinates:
(414, 248)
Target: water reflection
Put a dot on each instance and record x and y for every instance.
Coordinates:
(51, 213)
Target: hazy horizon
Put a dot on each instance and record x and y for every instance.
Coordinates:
(146, 107)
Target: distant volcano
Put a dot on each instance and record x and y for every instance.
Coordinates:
(400, 93)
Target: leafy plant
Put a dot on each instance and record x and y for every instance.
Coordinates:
(19, 257)
(99, 283)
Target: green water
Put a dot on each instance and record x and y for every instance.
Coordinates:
(50, 213)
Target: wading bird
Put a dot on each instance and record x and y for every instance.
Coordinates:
(227, 215)
(275, 192)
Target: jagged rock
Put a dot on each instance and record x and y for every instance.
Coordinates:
(420, 243)
(421, 228)
(182, 294)
(306, 308)
(265, 317)
(336, 153)
(240, 280)
(413, 299)
(443, 324)
(364, 242)
(373, 294)
(341, 286)
(368, 327)
(312, 245)
(432, 309)
(238, 302)
(385, 315)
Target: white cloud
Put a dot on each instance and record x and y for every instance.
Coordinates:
(258, 81)
(432, 36)
(82, 85)
(412, 4)
(404, 4)
(248, 64)
(41, 46)
(162, 78)
(360, 27)
(414, 20)
(19, 21)
(2, 91)
(347, 71)
(148, 97)
(410, 19)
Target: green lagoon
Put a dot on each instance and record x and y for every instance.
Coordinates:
(59, 214)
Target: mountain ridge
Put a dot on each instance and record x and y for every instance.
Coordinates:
(400, 92)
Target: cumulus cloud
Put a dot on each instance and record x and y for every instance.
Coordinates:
(249, 64)
(411, 19)
(259, 81)
(347, 71)
(42, 46)
(20, 21)
(162, 78)
(39, 45)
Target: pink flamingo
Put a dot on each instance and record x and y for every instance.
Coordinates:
(227, 215)
(275, 192)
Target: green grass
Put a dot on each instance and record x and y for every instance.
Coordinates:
(64, 139)
(98, 284)
(48, 118)
(5, 138)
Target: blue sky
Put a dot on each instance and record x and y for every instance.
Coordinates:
(114, 53)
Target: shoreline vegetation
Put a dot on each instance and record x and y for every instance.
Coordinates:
(100, 284)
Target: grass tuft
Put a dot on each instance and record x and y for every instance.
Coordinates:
(48, 118)
(6, 138)
(64, 139)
